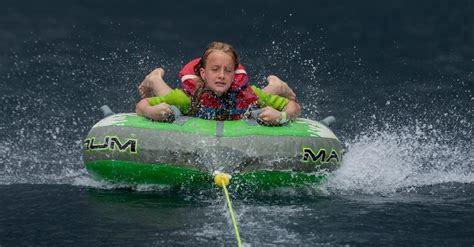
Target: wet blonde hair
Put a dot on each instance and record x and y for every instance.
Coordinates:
(200, 83)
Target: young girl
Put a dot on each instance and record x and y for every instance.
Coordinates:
(215, 86)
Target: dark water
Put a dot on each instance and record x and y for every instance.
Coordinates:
(398, 76)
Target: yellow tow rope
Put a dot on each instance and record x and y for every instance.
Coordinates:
(222, 179)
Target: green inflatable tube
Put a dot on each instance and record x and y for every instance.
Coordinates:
(129, 149)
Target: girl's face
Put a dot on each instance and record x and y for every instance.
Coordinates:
(218, 72)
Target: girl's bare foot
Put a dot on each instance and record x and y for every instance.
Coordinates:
(146, 88)
(281, 87)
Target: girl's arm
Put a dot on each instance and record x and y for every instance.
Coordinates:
(272, 116)
(160, 112)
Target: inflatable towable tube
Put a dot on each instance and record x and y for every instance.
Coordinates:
(129, 149)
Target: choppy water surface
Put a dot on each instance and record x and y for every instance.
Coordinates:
(398, 77)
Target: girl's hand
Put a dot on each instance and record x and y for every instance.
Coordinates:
(270, 116)
(161, 112)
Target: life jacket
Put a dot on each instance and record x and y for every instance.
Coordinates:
(230, 106)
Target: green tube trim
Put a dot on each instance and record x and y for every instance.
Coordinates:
(124, 172)
(203, 127)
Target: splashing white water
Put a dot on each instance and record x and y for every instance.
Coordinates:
(33, 157)
(386, 161)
